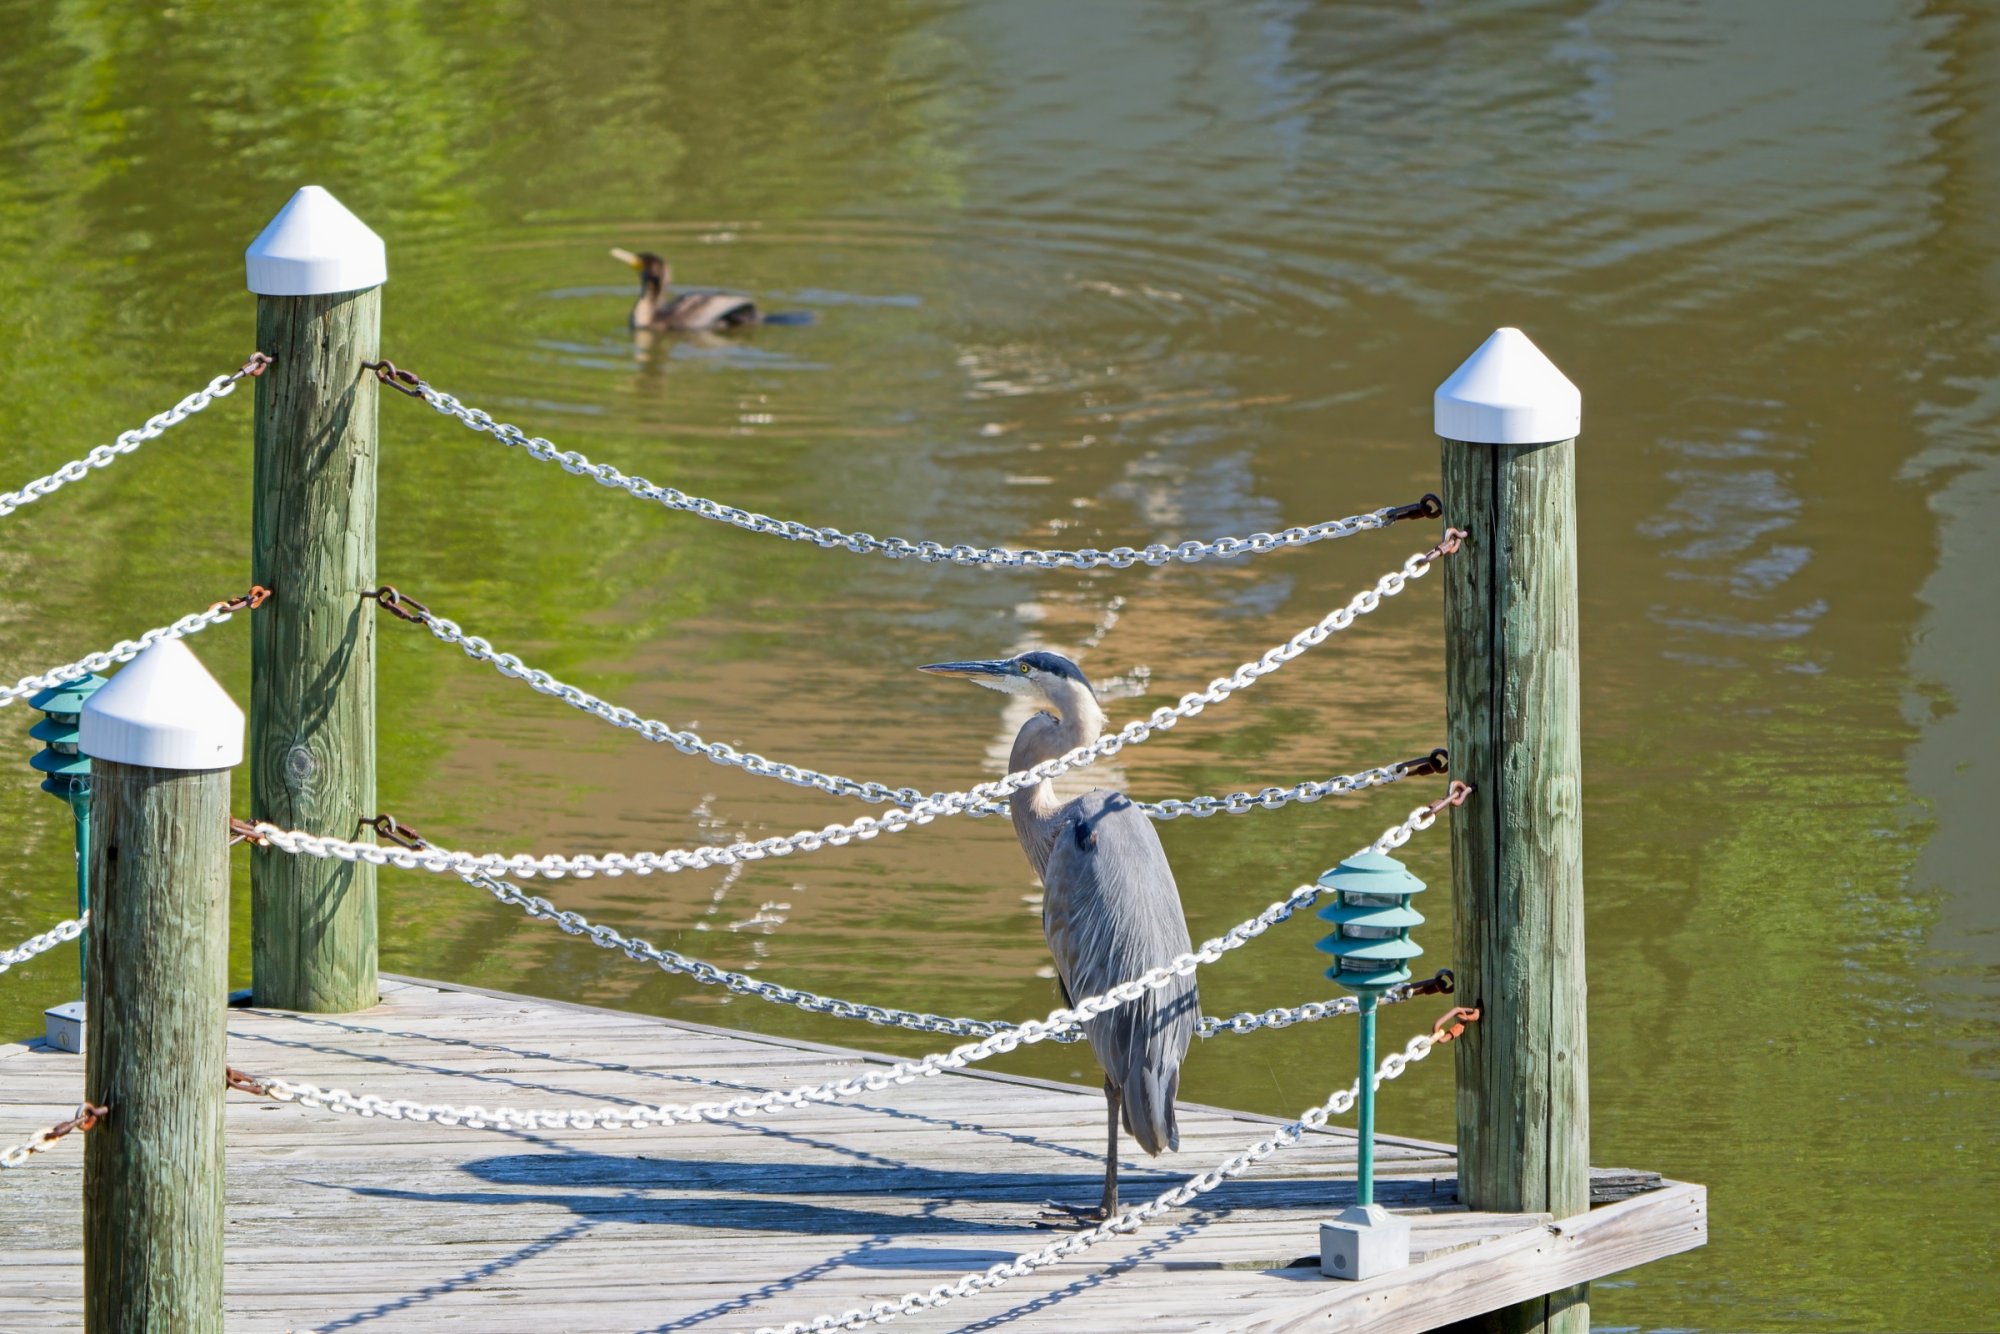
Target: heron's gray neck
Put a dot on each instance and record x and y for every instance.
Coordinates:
(1045, 737)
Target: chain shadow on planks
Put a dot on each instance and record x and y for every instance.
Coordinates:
(616, 1067)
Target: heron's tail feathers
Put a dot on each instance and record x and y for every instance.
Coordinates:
(1149, 1109)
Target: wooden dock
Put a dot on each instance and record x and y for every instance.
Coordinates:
(339, 1223)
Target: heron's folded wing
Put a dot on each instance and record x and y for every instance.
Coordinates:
(1112, 913)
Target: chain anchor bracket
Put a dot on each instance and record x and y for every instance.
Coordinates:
(256, 596)
(1428, 507)
(399, 605)
(394, 376)
(390, 829)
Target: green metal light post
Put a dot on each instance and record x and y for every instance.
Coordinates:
(1372, 950)
(66, 773)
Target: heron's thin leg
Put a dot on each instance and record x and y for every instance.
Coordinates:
(1111, 1101)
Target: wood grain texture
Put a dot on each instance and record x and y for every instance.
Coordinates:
(159, 942)
(343, 1223)
(312, 691)
(1511, 682)
(1512, 1268)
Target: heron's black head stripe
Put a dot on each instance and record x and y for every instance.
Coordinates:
(1055, 664)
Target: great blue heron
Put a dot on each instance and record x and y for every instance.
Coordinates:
(1110, 908)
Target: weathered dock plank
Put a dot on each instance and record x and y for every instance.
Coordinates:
(337, 1223)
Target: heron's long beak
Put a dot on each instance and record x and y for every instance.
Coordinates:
(970, 670)
(627, 258)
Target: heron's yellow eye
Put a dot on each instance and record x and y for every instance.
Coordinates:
(1023, 667)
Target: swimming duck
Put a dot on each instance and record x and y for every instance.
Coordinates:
(696, 312)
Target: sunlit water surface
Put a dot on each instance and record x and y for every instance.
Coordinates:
(1092, 274)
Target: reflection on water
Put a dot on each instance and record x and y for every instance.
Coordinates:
(1120, 273)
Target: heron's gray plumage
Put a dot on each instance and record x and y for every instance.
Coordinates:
(1110, 908)
(1112, 913)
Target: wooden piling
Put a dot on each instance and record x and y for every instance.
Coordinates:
(317, 271)
(158, 994)
(1508, 421)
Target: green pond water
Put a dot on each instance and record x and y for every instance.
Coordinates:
(1092, 274)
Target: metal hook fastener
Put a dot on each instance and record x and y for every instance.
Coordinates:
(259, 363)
(88, 1114)
(398, 605)
(1452, 1022)
(1437, 762)
(250, 601)
(242, 831)
(398, 379)
(1454, 795)
(1452, 540)
(245, 1083)
(1441, 983)
(1430, 507)
(388, 827)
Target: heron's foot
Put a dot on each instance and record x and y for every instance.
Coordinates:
(1058, 1217)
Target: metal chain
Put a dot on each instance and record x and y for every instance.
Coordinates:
(897, 548)
(445, 861)
(479, 649)
(103, 456)
(874, 1081)
(17, 1155)
(127, 649)
(742, 984)
(1342, 1101)
(58, 934)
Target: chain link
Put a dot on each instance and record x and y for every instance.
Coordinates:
(444, 861)
(874, 1081)
(510, 665)
(17, 1155)
(127, 649)
(898, 548)
(1130, 1221)
(56, 935)
(103, 456)
(742, 984)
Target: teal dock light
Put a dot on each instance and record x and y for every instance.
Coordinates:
(1372, 950)
(65, 771)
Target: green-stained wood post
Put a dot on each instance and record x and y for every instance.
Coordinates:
(162, 738)
(1508, 420)
(317, 271)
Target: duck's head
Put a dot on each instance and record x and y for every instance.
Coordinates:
(654, 272)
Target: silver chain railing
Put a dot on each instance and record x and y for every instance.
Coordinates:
(896, 548)
(1285, 1137)
(873, 1081)
(445, 861)
(742, 984)
(103, 456)
(60, 933)
(127, 649)
(17, 1155)
(510, 665)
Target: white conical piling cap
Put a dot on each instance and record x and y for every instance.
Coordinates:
(314, 247)
(1508, 393)
(165, 711)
